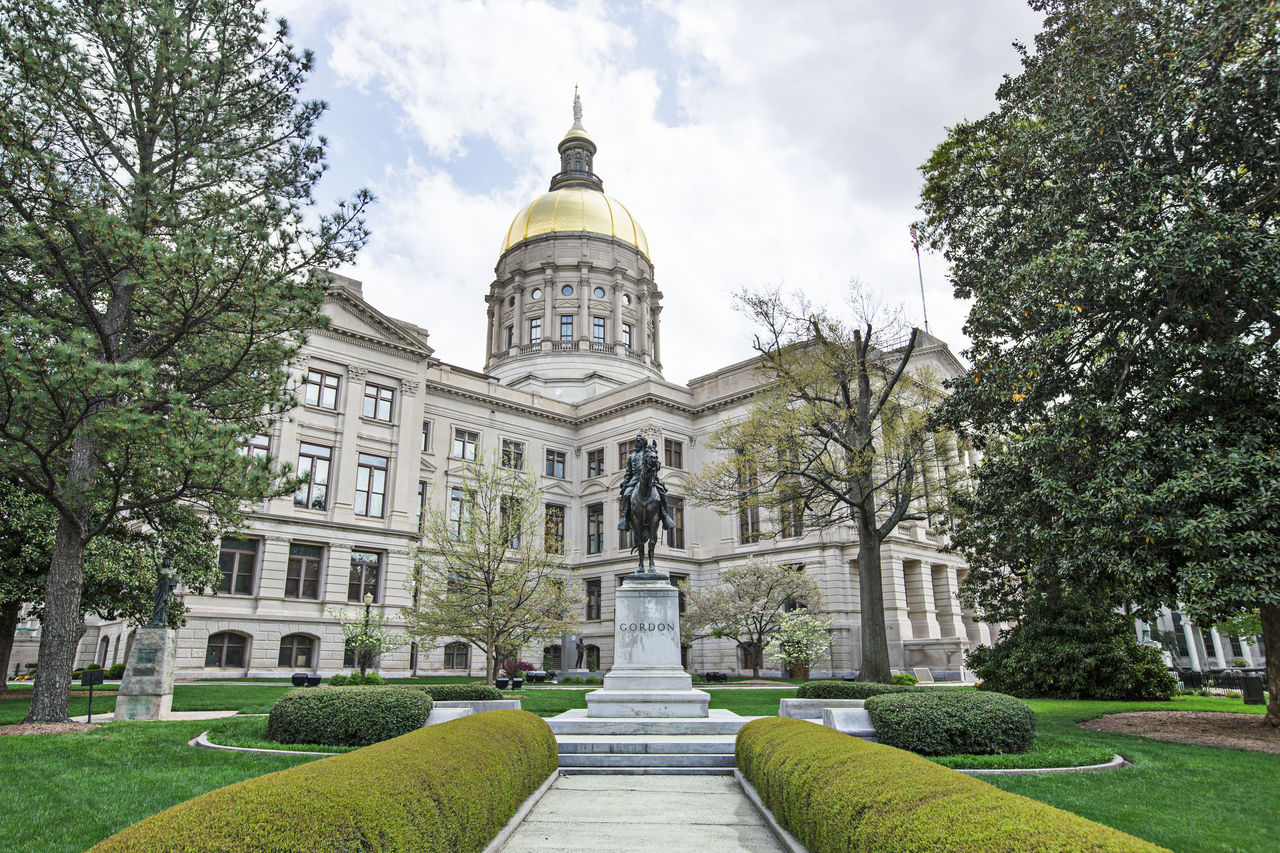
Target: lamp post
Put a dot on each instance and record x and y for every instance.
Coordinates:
(364, 652)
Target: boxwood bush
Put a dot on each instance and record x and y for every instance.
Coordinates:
(460, 692)
(440, 788)
(347, 716)
(840, 793)
(942, 722)
(836, 689)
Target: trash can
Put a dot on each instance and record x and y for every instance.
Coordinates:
(1253, 690)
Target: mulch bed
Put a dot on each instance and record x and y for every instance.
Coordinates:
(45, 728)
(26, 694)
(1203, 728)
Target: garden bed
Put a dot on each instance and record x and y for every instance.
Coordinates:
(1202, 728)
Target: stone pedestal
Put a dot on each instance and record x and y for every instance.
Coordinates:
(647, 679)
(146, 693)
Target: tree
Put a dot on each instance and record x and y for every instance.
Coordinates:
(801, 639)
(1114, 223)
(484, 573)
(747, 606)
(367, 634)
(837, 436)
(157, 267)
(119, 568)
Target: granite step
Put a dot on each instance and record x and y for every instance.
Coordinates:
(717, 722)
(642, 745)
(647, 771)
(661, 759)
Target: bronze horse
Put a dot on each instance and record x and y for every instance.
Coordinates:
(645, 516)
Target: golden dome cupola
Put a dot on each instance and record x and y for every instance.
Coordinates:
(573, 308)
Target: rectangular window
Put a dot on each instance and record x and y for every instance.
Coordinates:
(371, 484)
(365, 568)
(465, 443)
(555, 464)
(455, 656)
(422, 504)
(321, 389)
(535, 330)
(626, 335)
(675, 536)
(595, 528)
(597, 329)
(509, 515)
(459, 512)
(674, 452)
(593, 600)
(748, 509)
(313, 462)
(624, 450)
(791, 517)
(513, 454)
(426, 436)
(511, 336)
(566, 327)
(377, 402)
(302, 578)
(676, 580)
(236, 558)
(258, 446)
(595, 462)
(554, 529)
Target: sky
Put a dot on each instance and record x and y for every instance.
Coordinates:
(759, 144)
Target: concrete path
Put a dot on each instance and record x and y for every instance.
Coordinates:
(643, 814)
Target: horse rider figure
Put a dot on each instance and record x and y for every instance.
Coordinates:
(635, 467)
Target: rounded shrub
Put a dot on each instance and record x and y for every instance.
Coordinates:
(840, 793)
(440, 788)
(338, 680)
(116, 670)
(836, 689)
(347, 716)
(944, 722)
(906, 678)
(460, 692)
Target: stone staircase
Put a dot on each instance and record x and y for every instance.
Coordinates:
(646, 754)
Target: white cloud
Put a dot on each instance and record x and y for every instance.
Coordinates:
(791, 158)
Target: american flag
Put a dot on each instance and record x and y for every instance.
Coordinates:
(915, 239)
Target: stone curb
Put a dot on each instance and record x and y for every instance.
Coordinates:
(1116, 761)
(504, 834)
(202, 739)
(786, 839)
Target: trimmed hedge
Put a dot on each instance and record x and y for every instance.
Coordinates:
(347, 716)
(836, 689)
(949, 723)
(840, 793)
(440, 788)
(460, 692)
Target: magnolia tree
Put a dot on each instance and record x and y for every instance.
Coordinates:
(367, 634)
(748, 605)
(801, 639)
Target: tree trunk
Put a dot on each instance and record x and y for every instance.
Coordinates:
(875, 641)
(1271, 648)
(490, 659)
(61, 627)
(8, 625)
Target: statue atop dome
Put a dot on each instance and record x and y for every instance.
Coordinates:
(577, 152)
(577, 108)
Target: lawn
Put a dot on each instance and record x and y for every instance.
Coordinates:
(65, 792)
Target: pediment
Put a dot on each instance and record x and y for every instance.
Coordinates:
(559, 488)
(351, 316)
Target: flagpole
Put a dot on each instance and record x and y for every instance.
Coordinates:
(915, 244)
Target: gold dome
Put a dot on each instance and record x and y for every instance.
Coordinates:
(576, 209)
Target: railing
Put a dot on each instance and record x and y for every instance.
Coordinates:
(525, 349)
(601, 346)
(564, 345)
(638, 356)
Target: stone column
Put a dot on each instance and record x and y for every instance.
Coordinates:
(404, 479)
(583, 331)
(616, 336)
(643, 331)
(488, 344)
(896, 621)
(946, 596)
(1192, 649)
(657, 341)
(517, 320)
(342, 470)
(1218, 651)
(918, 577)
(549, 331)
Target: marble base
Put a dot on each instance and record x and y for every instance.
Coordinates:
(146, 691)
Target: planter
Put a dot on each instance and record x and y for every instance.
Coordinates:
(502, 681)
(517, 683)
(313, 680)
(299, 679)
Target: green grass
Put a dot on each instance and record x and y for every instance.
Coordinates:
(1049, 750)
(252, 732)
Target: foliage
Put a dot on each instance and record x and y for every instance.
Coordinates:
(158, 266)
(747, 605)
(838, 793)
(439, 788)
(483, 574)
(346, 716)
(838, 435)
(949, 722)
(800, 639)
(460, 692)
(905, 678)
(581, 679)
(1114, 222)
(115, 671)
(339, 680)
(1069, 654)
(831, 688)
(367, 633)
(516, 668)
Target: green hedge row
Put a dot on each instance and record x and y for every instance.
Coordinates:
(941, 722)
(460, 692)
(840, 793)
(836, 689)
(347, 716)
(439, 788)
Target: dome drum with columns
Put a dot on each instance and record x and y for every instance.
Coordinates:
(573, 310)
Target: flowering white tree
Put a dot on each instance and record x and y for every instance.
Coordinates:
(747, 605)
(800, 639)
(367, 634)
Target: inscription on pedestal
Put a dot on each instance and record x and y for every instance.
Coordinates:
(646, 626)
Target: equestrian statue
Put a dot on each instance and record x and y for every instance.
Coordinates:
(644, 501)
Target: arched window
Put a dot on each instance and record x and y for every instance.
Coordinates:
(593, 658)
(551, 658)
(226, 649)
(103, 649)
(297, 651)
(456, 656)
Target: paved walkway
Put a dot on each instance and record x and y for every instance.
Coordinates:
(643, 814)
